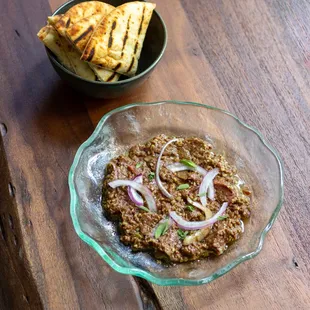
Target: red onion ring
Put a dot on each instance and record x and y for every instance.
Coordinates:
(206, 181)
(133, 194)
(146, 193)
(211, 191)
(242, 226)
(186, 225)
(176, 167)
(158, 181)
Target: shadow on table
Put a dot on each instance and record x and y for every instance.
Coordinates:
(47, 110)
(62, 116)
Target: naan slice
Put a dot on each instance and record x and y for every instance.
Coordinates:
(81, 67)
(104, 75)
(80, 32)
(79, 35)
(80, 11)
(50, 38)
(65, 53)
(71, 58)
(117, 42)
(52, 20)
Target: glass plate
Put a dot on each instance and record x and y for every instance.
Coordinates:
(258, 165)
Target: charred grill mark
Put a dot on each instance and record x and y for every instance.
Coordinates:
(126, 35)
(111, 77)
(110, 41)
(142, 19)
(125, 39)
(111, 33)
(117, 66)
(68, 23)
(84, 34)
(136, 47)
(91, 54)
(132, 62)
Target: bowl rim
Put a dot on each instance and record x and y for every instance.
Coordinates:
(128, 80)
(145, 274)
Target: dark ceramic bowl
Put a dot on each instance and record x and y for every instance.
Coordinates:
(153, 49)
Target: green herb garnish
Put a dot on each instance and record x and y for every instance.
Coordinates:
(161, 229)
(144, 208)
(182, 186)
(138, 165)
(222, 217)
(190, 208)
(151, 176)
(202, 194)
(188, 163)
(182, 234)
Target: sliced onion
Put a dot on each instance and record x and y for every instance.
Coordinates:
(186, 225)
(242, 226)
(211, 191)
(199, 206)
(176, 167)
(158, 181)
(146, 193)
(133, 194)
(201, 170)
(208, 178)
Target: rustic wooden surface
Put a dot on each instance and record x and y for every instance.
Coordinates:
(249, 57)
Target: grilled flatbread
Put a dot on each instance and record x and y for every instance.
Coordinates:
(52, 20)
(80, 32)
(117, 42)
(105, 75)
(50, 38)
(81, 67)
(65, 53)
(73, 55)
(80, 11)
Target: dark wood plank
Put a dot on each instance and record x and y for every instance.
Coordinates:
(43, 262)
(257, 54)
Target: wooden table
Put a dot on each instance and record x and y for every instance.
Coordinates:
(251, 57)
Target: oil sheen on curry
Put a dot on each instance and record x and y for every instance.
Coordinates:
(176, 198)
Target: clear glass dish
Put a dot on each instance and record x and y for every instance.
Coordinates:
(257, 163)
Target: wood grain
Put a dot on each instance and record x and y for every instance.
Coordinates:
(249, 57)
(43, 263)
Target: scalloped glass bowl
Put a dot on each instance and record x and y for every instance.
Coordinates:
(257, 163)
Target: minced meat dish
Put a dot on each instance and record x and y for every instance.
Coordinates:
(205, 220)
